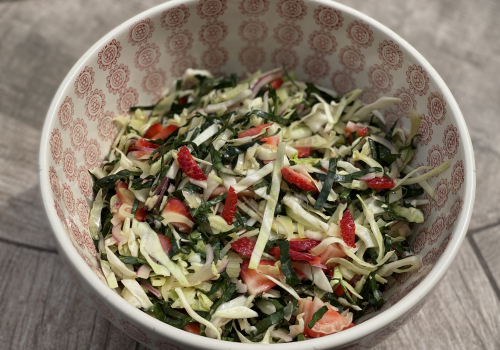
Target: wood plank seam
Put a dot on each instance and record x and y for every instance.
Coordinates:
(28, 246)
(484, 265)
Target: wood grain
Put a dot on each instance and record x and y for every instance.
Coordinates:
(43, 308)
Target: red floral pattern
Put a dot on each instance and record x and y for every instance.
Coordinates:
(442, 190)
(419, 241)
(418, 80)
(213, 32)
(342, 82)
(328, 17)
(360, 34)
(78, 134)
(408, 101)
(83, 212)
(252, 30)
(368, 95)
(429, 259)
(106, 128)
(352, 59)
(141, 31)
(179, 42)
(54, 183)
(147, 56)
(254, 7)
(56, 145)
(69, 164)
(252, 57)
(214, 58)
(436, 229)
(66, 112)
(175, 17)
(95, 104)
(163, 345)
(435, 156)
(457, 177)
(109, 54)
(316, 67)
(291, 9)
(211, 9)
(437, 107)
(91, 154)
(154, 81)
(84, 181)
(288, 34)
(451, 141)
(285, 57)
(128, 98)
(323, 42)
(380, 77)
(134, 332)
(180, 65)
(60, 213)
(456, 209)
(84, 81)
(425, 131)
(391, 116)
(390, 54)
(68, 199)
(117, 79)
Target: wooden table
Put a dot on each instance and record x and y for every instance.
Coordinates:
(42, 307)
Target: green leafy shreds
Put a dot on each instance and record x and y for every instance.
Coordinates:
(327, 186)
(286, 264)
(371, 293)
(300, 337)
(317, 316)
(373, 148)
(140, 183)
(171, 316)
(110, 180)
(134, 207)
(217, 161)
(411, 191)
(351, 176)
(388, 136)
(270, 320)
(332, 299)
(144, 108)
(290, 77)
(232, 151)
(269, 116)
(386, 155)
(311, 88)
(112, 163)
(132, 260)
(387, 208)
(228, 290)
(402, 249)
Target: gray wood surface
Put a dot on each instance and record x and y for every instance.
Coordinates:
(42, 308)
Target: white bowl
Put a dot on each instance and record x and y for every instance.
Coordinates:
(321, 41)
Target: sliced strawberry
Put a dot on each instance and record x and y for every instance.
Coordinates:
(380, 183)
(299, 274)
(299, 244)
(271, 141)
(153, 130)
(359, 128)
(331, 322)
(188, 165)
(244, 246)
(332, 251)
(339, 291)
(165, 133)
(182, 100)
(275, 251)
(165, 243)
(176, 207)
(303, 151)
(144, 143)
(192, 328)
(230, 206)
(276, 83)
(124, 194)
(302, 181)
(256, 283)
(348, 229)
(140, 214)
(253, 131)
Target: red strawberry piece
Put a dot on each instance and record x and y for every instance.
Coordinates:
(182, 100)
(299, 244)
(380, 183)
(140, 214)
(298, 179)
(188, 165)
(332, 251)
(153, 130)
(253, 131)
(175, 206)
(299, 274)
(276, 83)
(193, 328)
(359, 128)
(303, 151)
(331, 322)
(271, 141)
(165, 243)
(275, 251)
(125, 196)
(140, 146)
(244, 246)
(165, 133)
(348, 229)
(230, 206)
(256, 283)
(339, 291)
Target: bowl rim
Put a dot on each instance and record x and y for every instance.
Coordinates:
(166, 331)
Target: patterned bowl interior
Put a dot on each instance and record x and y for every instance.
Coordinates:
(319, 43)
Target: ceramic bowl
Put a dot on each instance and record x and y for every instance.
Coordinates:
(322, 42)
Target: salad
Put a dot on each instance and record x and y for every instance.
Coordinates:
(260, 210)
